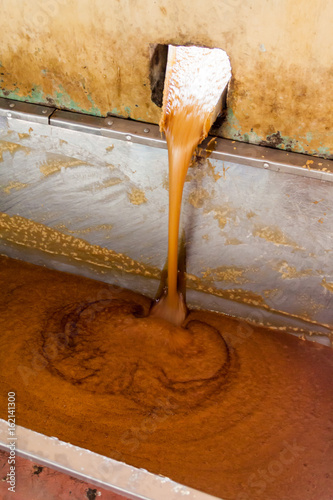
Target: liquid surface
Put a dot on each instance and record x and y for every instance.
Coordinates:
(195, 80)
(240, 412)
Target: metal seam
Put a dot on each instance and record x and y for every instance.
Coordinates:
(149, 135)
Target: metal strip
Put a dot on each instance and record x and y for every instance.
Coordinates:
(77, 121)
(137, 484)
(149, 135)
(113, 127)
(25, 111)
(129, 130)
(268, 158)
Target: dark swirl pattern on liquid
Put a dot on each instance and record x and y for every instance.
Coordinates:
(110, 347)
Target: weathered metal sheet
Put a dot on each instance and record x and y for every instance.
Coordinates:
(258, 242)
(98, 61)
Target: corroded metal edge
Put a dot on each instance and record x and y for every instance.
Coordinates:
(149, 135)
(137, 484)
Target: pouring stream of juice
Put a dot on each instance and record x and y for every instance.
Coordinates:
(195, 80)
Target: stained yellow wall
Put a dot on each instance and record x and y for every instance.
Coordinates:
(93, 56)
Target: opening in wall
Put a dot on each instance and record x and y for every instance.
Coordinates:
(158, 64)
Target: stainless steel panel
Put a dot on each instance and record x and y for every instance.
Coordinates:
(258, 240)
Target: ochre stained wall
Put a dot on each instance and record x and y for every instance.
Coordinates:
(93, 56)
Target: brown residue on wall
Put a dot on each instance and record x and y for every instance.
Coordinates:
(37, 236)
(274, 235)
(233, 241)
(290, 272)
(14, 185)
(226, 274)
(53, 166)
(113, 181)
(23, 136)
(225, 170)
(12, 148)
(197, 197)
(327, 284)
(211, 171)
(165, 182)
(87, 230)
(308, 164)
(221, 217)
(235, 294)
(223, 214)
(137, 196)
(271, 292)
(308, 306)
(199, 169)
